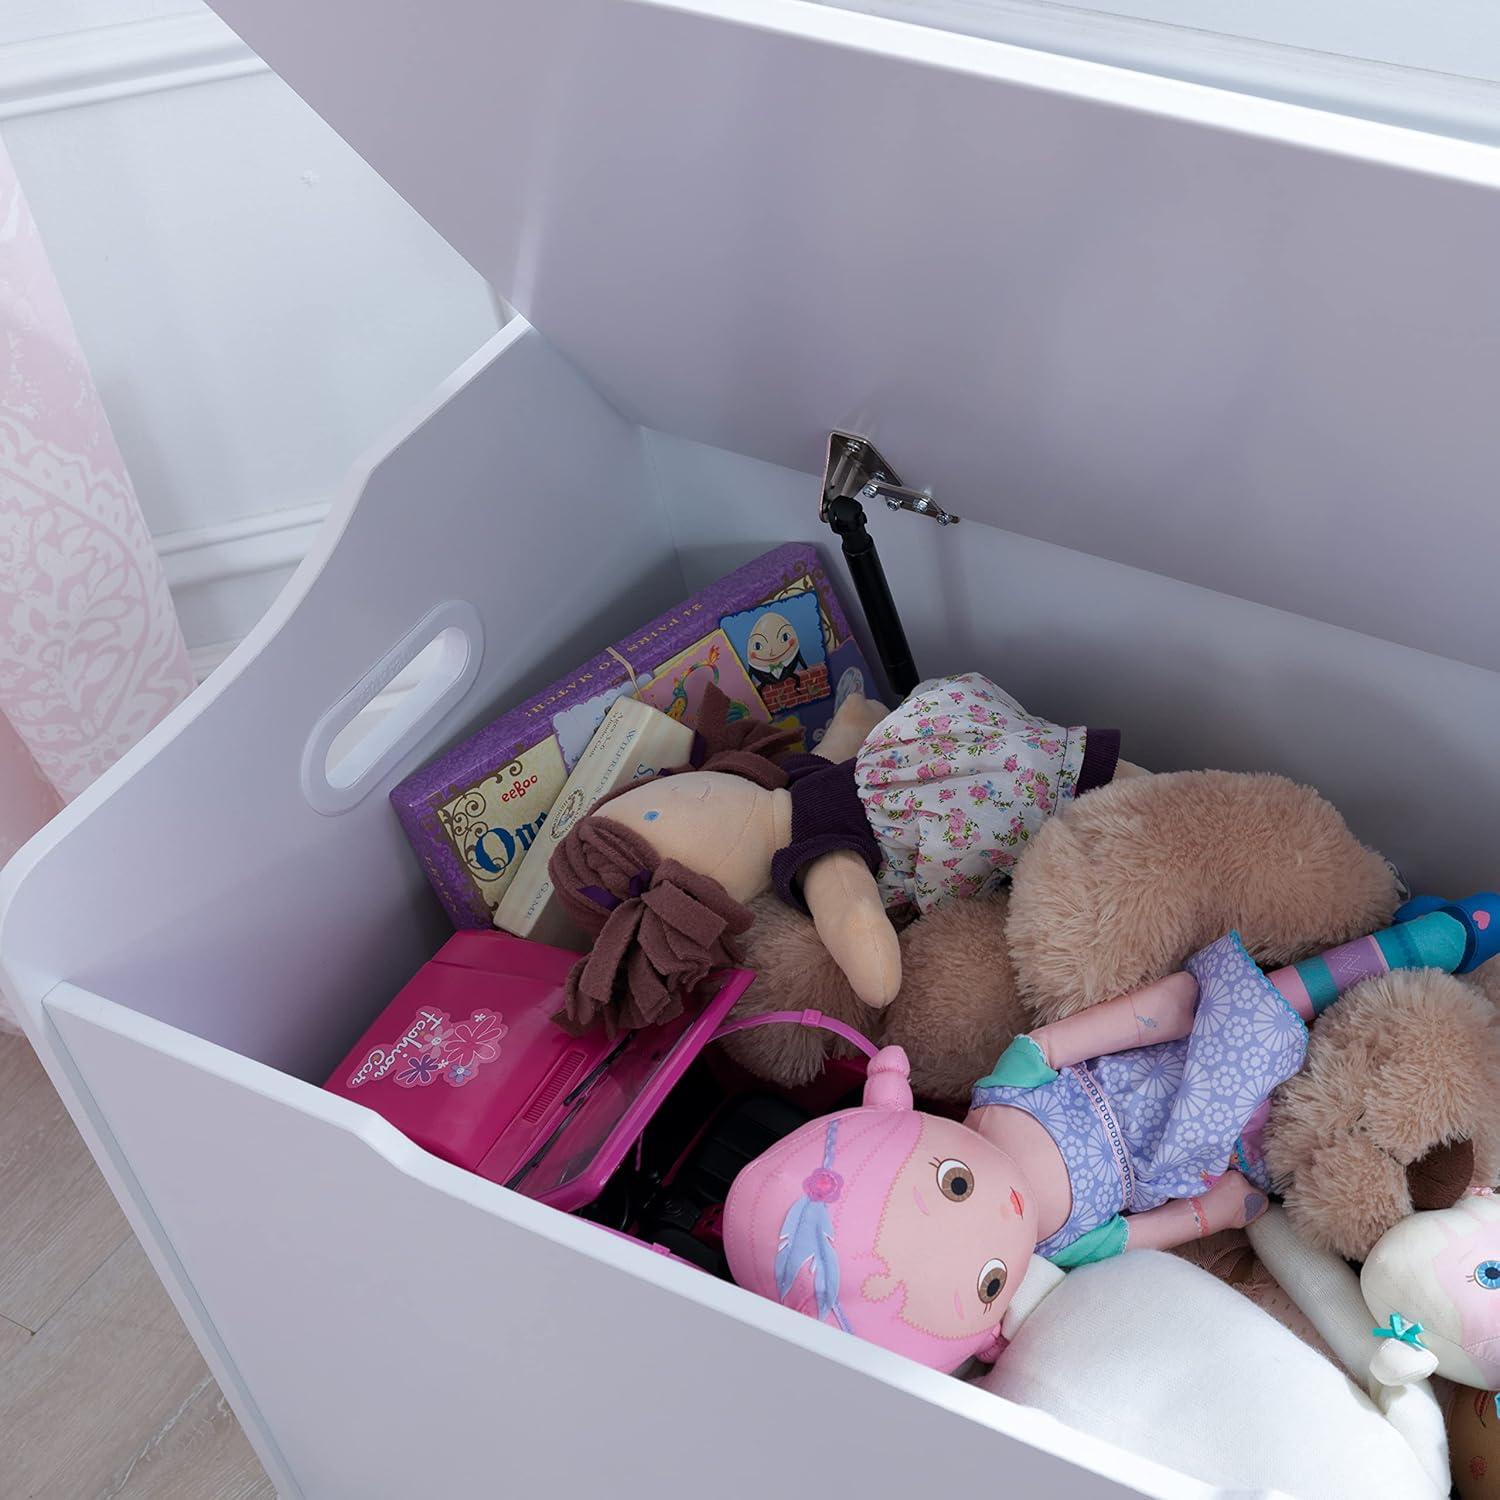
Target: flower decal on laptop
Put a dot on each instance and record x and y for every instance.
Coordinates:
(434, 1046)
(419, 1071)
(475, 1041)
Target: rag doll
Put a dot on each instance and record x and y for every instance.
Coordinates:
(1133, 1124)
(895, 814)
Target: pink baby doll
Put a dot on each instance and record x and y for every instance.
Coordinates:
(893, 814)
(1131, 1125)
(907, 1229)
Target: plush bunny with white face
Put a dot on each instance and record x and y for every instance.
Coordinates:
(1433, 1284)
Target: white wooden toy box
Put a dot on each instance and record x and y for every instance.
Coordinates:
(1212, 382)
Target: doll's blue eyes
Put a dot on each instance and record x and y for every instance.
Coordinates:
(1487, 1274)
(650, 817)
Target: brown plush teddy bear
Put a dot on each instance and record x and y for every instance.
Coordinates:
(1394, 1109)
(1395, 1096)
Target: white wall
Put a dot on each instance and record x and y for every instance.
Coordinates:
(1428, 67)
(257, 305)
(27, 20)
(1456, 37)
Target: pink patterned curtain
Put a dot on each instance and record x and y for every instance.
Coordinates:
(91, 655)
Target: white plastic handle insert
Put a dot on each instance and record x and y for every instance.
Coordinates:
(398, 701)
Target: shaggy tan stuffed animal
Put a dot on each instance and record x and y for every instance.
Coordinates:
(1397, 1092)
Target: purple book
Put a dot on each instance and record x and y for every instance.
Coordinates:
(772, 635)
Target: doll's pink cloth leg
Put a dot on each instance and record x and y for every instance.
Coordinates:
(1161, 1012)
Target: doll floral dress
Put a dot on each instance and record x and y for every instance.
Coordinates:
(944, 794)
(959, 778)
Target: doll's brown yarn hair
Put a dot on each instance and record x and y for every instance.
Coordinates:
(659, 928)
(739, 747)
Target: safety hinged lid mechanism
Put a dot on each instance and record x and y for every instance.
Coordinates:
(1241, 343)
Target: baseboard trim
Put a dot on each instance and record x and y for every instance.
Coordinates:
(223, 578)
(257, 544)
(115, 62)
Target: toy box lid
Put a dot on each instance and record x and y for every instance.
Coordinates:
(1235, 341)
(468, 1062)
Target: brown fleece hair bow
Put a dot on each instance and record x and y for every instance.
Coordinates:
(661, 927)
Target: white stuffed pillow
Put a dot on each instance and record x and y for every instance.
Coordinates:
(1156, 1356)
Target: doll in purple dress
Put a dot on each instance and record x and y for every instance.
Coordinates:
(1133, 1124)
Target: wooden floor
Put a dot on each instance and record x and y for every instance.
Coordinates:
(103, 1396)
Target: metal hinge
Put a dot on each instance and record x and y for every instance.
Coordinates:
(856, 468)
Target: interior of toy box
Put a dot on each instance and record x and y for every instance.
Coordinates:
(1193, 678)
(1041, 619)
(285, 952)
(717, 1117)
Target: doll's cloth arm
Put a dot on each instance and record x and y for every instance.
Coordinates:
(829, 870)
(1161, 1012)
(1322, 1284)
(827, 815)
(851, 726)
(849, 915)
(1231, 1203)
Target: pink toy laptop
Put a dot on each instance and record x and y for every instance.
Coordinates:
(469, 1063)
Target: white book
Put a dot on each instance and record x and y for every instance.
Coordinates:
(634, 741)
